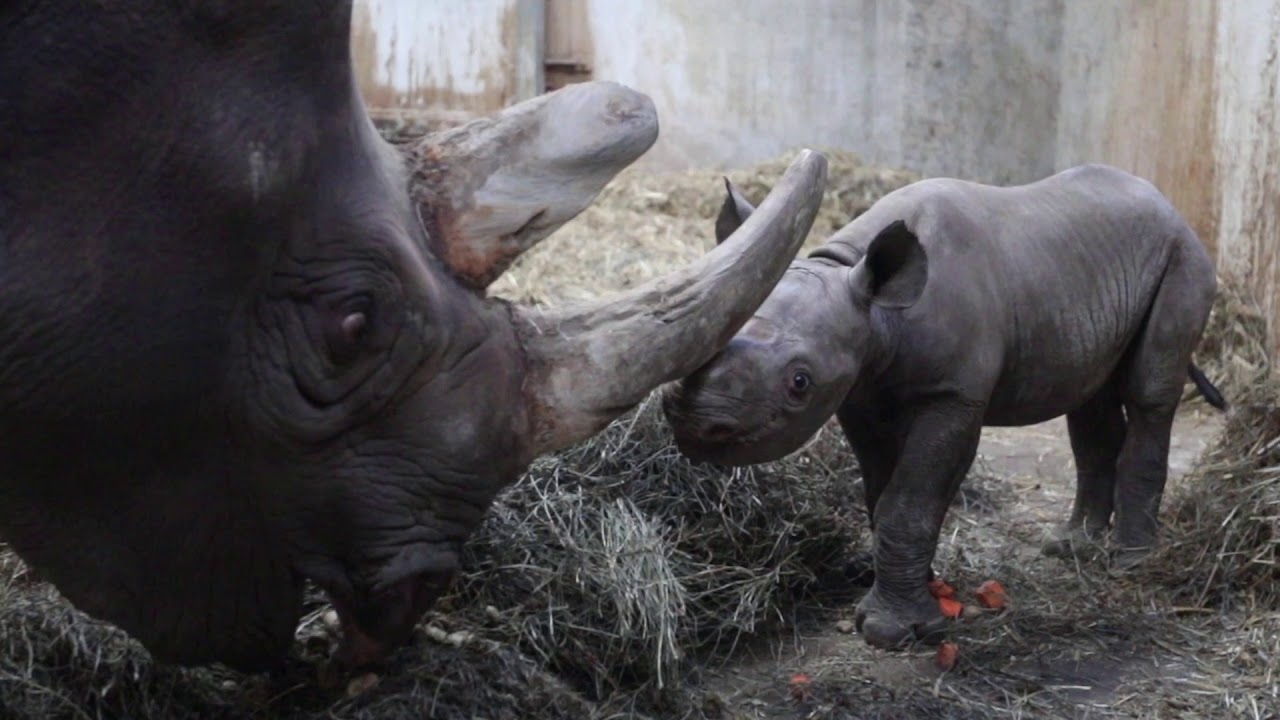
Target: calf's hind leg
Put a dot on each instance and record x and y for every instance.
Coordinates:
(1142, 473)
(1157, 373)
(1097, 430)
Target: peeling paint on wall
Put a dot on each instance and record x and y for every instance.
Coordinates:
(446, 58)
(1248, 150)
(1139, 92)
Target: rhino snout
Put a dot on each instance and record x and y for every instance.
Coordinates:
(374, 628)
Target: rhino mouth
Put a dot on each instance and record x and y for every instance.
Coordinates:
(739, 451)
(375, 627)
(716, 437)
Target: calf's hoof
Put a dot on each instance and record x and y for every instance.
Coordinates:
(1127, 559)
(1073, 542)
(896, 625)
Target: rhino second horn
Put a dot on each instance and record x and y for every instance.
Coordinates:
(489, 190)
(590, 364)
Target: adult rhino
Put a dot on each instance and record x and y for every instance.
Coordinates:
(951, 305)
(244, 341)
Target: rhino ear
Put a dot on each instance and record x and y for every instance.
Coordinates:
(895, 269)
(735, 211)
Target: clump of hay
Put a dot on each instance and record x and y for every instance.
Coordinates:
(618, 560)
(1226, 524)
(644, 225)
(1233, 349)
(55, 662)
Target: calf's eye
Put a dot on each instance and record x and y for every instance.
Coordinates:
(800, 381)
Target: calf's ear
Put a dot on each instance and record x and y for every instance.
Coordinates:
(735, 211)
(893, 272)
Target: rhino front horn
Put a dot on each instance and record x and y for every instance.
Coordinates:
(589, 364)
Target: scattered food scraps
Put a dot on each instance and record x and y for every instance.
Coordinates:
(950, 607)
(991, 595)
(940, 589)
(948, 652)
(799, 687)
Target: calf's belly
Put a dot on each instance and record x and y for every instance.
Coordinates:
(1029, 392)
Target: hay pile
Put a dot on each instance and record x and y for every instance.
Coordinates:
(57, 663)
(595, 583)
(617, 561)
(1233, 350)
(1227, 524)
(643, 225)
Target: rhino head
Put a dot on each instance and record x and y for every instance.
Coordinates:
(245, 342)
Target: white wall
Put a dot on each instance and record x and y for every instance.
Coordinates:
(966, 87)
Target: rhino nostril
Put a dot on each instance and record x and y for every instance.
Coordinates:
(720, 431)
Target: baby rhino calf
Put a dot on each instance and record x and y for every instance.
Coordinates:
(951, 305)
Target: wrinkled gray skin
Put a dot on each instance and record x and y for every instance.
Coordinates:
(949, 306)
(236, 354)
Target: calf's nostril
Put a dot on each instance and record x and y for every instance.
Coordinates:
(719, 431)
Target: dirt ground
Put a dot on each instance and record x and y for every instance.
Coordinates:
(1022, 483)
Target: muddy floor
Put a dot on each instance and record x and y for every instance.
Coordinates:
(1022, 482)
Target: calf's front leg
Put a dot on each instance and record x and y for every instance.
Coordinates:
(940, 444)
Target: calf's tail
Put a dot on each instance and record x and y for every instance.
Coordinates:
(1211, 394)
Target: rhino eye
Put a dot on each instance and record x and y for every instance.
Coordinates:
(350, 325)
(353, 326)
(800, 381)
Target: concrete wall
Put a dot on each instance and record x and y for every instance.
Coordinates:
(944, 86)
(1138, 90)
(1247, 150)
(1187, 94)
(445, 58)
(1183, 92)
